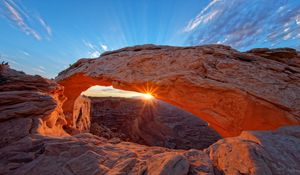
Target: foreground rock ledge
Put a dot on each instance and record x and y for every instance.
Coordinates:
(233, 91)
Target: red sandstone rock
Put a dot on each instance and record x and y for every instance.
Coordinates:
(30, 141)
(168, 164)
(257, 152)
(87, 154)
(231, 90)
(153, 123)
(29, 104)
(268, 153)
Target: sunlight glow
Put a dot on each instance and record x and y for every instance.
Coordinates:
(147, 96)
(109, 91)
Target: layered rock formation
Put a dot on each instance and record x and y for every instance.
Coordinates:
(147, 122)
(33, 140)
(29, 104)
(233, 91)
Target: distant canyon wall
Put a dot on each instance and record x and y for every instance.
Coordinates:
(148, 122)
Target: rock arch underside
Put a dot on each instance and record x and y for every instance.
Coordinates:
(233, 91)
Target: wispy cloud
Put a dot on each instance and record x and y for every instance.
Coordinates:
(89, 45)
(104, 47)
(26, 22)
(95, 50)
(25, 53)
(45, 26)
(39, 69)
(94, 54)
(17, 18)
(245, 24)
(202, 17)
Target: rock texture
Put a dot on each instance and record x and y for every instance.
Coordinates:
(252, 153)
(255, 152)
(33, 142)
(29, 104)
(85, 154)
(231, 90)
(147, 122)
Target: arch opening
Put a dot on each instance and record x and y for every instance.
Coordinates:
(138, 117)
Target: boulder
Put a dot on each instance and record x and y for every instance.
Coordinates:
(258, 152)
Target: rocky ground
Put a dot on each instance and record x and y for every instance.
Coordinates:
(148, 122)
(35, 135)
(251, 153)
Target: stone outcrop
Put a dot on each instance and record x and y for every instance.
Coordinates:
(33, 141)
(257, 152)
(81, 115)
(268, 153)
(231, 90)
(85, 154)
(148, 122)
(29, 104)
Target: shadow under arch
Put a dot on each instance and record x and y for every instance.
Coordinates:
(130, 116)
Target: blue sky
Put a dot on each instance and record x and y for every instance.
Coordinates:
(45, 36)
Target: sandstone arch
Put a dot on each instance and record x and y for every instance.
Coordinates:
(233, 91)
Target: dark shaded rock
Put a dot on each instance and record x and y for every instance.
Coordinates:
(148, 122)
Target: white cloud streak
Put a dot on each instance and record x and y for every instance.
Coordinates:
(104, 47)
(17, 18)
(45, 26)
(25, 53)
(26, 22)
(39, 69)
(298, 20)
(245, 24)
(94, 54)
(202, 17)
(89, 45)
(95, 50)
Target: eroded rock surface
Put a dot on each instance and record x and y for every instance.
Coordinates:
(29, 104)
(252, 153)
(30, 147)
(257, 152)
(85, 154)
(147, 122)
(233, 91)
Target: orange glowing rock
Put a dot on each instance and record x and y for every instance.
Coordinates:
(32, 122)
(231, 90)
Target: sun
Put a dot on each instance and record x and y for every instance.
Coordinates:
(147, 96)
